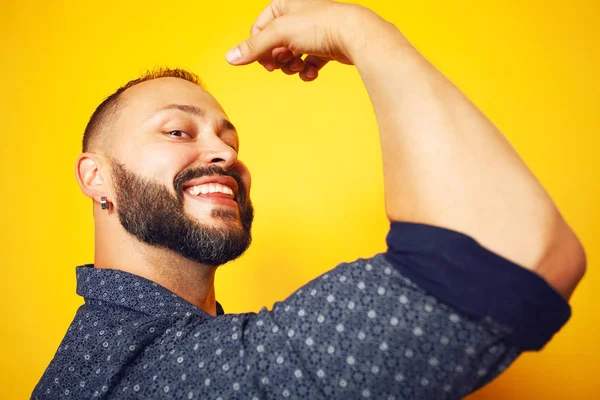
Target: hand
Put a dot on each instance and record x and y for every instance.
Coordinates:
(286, 30)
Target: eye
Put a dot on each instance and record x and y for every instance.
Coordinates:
(178, 133)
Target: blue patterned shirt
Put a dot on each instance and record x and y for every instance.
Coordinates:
(435, 317)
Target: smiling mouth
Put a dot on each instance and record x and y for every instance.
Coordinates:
(217, 198)
(216, 190)
(211, 188)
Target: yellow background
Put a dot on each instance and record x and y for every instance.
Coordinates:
(531, 66)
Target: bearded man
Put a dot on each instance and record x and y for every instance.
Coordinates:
(479, 267)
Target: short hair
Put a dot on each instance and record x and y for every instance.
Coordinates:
(109, 108)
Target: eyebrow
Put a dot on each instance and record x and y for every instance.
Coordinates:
(198, 112)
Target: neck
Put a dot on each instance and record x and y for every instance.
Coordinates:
(189, 280)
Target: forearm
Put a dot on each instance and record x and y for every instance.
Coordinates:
(444, 162)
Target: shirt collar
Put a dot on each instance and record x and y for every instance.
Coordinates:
(102, 285)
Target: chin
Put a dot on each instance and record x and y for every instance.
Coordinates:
(219, 217)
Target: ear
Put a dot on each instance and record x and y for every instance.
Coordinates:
(89, 177)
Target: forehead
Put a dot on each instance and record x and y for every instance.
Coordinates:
(145, 98)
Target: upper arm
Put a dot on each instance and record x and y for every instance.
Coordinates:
(364, 329)
(436, 315)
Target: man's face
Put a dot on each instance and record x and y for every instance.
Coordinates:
(175, 174)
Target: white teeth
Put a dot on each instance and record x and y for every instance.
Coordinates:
(210, 188)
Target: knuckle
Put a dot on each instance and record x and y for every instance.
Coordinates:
(279, 7)
(248, 47)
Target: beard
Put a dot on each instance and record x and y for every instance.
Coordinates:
(151, 213)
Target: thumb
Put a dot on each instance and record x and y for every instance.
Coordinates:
(260, 46)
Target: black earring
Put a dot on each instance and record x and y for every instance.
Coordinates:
(103, 203)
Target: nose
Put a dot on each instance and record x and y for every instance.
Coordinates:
(217, 153)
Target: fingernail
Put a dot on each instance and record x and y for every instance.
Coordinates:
(311, 73)
(234, 55)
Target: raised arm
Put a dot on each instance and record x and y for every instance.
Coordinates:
(445, 163)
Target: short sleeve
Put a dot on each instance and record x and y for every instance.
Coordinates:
(458, 271)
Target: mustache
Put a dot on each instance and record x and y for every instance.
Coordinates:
(209, 170)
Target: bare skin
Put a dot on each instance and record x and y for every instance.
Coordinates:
(445, 163)
(143, 140)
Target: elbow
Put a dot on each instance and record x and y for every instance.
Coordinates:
(579, 266)
(565, 262)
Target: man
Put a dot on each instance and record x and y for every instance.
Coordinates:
(479, 266)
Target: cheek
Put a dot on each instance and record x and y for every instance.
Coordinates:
(162, 160)
(245, 174)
